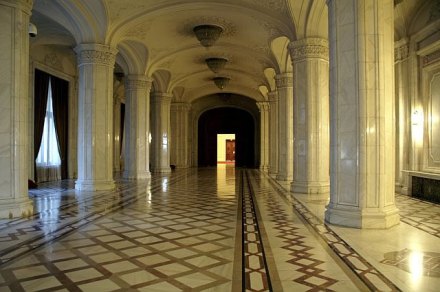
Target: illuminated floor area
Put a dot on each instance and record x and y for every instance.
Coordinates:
(211, 229)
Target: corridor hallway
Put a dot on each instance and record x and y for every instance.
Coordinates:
(210, 229)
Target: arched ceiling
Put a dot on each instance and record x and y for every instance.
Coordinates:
(156, 36)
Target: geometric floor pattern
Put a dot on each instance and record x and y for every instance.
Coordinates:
(208, 229)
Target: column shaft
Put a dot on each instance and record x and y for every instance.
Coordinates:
(264, 108)
(95, 117)
(160, 119)
(311, 118)
(362, 114)
(284, 84)
(179, 152)
(14, 107)
(137, 121)
(273, 133)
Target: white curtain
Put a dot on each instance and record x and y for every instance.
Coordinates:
(48, 159)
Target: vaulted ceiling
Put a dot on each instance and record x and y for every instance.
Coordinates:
(156, 38)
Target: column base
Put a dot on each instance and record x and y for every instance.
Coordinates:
(319, 190)
(273, 171)
(401, 189)
(94, 185)
(366, 219)
(138, 176)
(283, 177)
(161, 170)
(16, 208)
(264, 168)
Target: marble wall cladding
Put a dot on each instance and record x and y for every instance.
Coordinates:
(362, 123)
(14, 100)
(95, 117)
(160, 131)
(137, 127)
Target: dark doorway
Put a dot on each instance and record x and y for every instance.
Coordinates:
(223, 121)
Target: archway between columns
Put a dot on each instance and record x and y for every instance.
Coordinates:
(224, 121)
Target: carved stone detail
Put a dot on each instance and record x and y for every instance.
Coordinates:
(263, 106)
(309, 48)
(138, 83)
(284, 80)
(161, 97)
(52, 60)
(95, 54)
(273, 96)
(180, 106)
(401, 53)
(228, 28)
(431, 58)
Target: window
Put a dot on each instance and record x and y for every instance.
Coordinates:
(48, 154)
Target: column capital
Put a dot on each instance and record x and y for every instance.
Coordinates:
(96, 54)
(309, 48)
(161, 97)
(284, 80)
(263, 106)
(180, 106)
(401, 52)
(135, 82)
(273, 96)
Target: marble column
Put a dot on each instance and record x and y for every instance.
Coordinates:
(403, 116)
(95, 117)
(179, 148)
(311, 118)
(116, 134)
(137, 127)
(273, 133)
(264, 108)
(14, 104)
(362, 114)
(160, 131)
(284, 83)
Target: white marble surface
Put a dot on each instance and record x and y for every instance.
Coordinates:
(264, 108)
(179, 152)
(362, 150)
(14, 104)
(160, 132)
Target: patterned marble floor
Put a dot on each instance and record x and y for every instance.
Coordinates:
(212, 229)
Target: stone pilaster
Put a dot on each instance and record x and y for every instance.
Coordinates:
(273, 133)
(403, 116)
(160, 131)
(284, 83)
(117, 134)
(14, 108)
(137, 122)
(264, 108)
(362, 114)
(95, 117)
(179, 151)
(311, 117)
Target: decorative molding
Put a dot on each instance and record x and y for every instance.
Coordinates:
(284, 80)
(139, 31)
(180, 107)
(401, 53)
(161, 97)
(309, 48)
(52, 60)
(263, 106)
(273, 96)
(95, 54)
(274, 5)
(431, 58)
(138, 83)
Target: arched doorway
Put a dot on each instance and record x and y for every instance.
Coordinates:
(226, 120)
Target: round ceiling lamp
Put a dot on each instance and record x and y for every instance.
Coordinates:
(207, 34)
(216, 64)
(221, 81)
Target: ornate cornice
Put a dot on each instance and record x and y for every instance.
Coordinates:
(431, 58)
(309, 48)
(284, 80)
(95, 54)
(401, 53)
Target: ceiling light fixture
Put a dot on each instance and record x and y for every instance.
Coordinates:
(216, 64)
(207, 34)
(221, 82)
